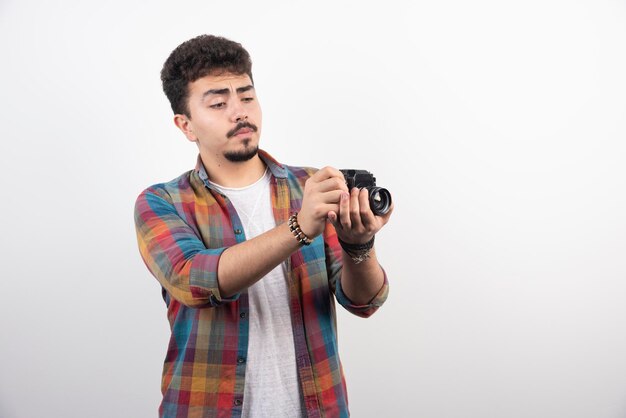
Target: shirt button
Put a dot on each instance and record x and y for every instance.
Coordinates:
(237, 231)
(241, 360)
(242, 315)
(237, 402)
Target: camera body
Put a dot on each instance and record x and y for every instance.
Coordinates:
(379, 198)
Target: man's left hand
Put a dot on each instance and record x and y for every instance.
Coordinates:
(356, 223)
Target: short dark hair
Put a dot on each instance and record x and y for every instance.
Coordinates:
(198, 57)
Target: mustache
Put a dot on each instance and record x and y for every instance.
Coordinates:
(239, 126)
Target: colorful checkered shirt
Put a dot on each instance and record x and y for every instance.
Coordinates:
(183, 227)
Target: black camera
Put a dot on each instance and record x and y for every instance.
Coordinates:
(380, 198)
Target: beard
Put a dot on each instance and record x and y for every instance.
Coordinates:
(243, 155)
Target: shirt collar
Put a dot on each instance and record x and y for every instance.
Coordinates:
(277, 169)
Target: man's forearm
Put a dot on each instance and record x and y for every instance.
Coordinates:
(242, 265)
(361, 282)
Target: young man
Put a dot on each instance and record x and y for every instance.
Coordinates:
(248, 255)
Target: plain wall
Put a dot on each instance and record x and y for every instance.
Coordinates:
(499, 128)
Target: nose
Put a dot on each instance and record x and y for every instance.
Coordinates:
(239, 113)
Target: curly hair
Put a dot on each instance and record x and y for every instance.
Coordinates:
(198, 57)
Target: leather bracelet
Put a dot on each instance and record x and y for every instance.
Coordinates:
(294, 227)
(357, 252)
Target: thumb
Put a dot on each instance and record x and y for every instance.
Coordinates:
(332, 217)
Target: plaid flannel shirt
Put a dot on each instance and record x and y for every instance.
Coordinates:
(183, 227)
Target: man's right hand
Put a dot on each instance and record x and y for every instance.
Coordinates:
(322, 193)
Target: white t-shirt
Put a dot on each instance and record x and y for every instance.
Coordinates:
(271, 385)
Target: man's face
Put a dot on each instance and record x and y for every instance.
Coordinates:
(225, 117)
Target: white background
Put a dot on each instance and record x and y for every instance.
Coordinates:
(498, 126)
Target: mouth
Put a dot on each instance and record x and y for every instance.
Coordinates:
(243, 131)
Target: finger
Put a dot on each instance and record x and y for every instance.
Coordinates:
(355, 214)
(344, 211)
(326, 173)
(367, 216)
(319, 213)
(325, 209)
(332, 197)
(333, 218)
(332, 183)
(335, 173)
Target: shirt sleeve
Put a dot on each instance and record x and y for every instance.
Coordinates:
(174, 253)
(334, 262)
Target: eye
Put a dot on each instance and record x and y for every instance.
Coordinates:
(247, 99)
(218, 105)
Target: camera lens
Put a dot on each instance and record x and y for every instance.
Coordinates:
(380, 200)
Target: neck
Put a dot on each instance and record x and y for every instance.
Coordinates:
(229, 174)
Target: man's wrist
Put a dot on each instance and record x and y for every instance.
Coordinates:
(294, 227)
(357, 252)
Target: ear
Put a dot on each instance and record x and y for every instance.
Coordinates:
(183, 123)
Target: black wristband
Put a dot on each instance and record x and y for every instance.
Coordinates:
(356, 247)
(357, 252)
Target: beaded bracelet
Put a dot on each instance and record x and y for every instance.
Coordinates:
(294, 227)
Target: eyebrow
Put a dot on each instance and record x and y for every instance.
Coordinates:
(227, 91)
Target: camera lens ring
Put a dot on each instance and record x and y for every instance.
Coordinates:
(380, 200)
